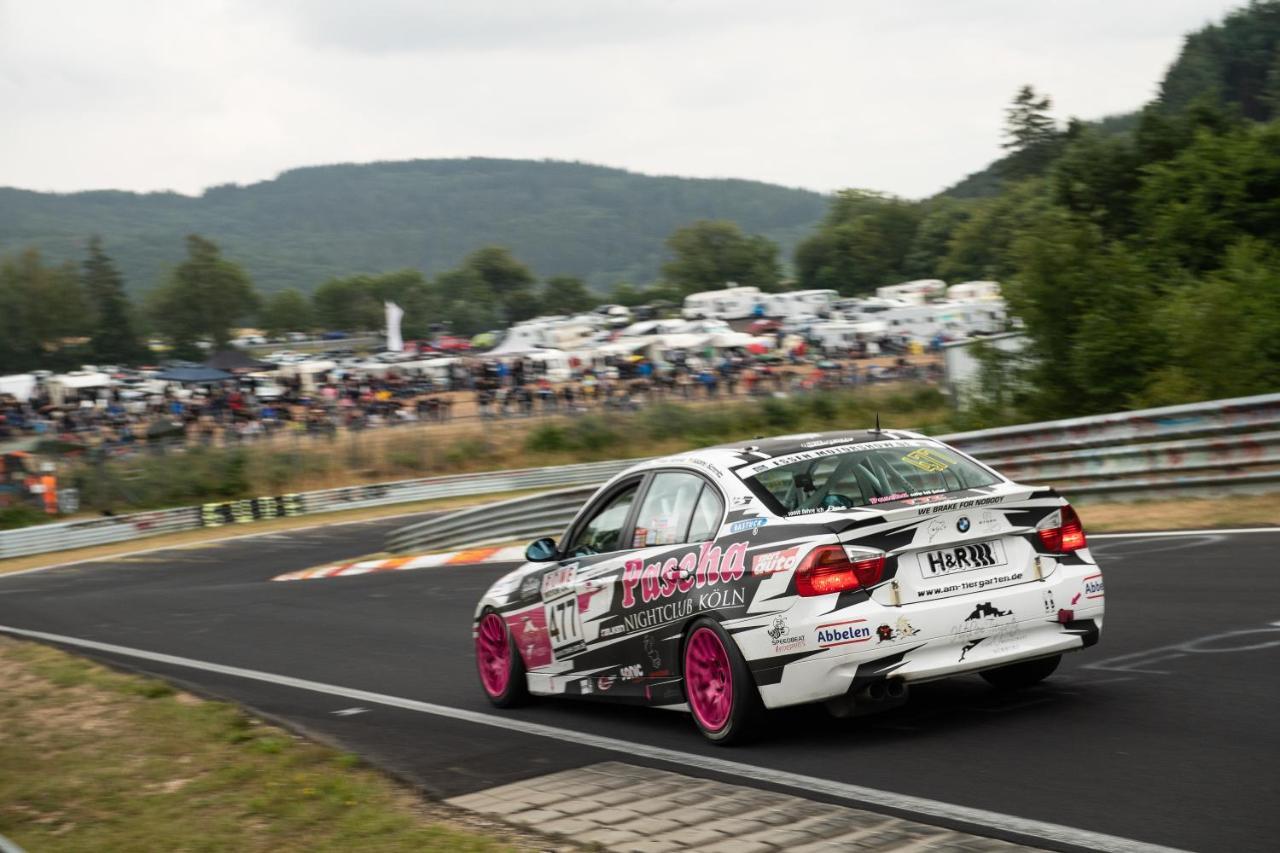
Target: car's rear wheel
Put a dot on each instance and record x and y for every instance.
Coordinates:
(1024, 674)
(722, 695)
(502, 672)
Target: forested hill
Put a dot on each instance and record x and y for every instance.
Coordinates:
(604, 225)
(1233, 65)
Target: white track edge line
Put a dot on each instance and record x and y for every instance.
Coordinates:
(920, 806)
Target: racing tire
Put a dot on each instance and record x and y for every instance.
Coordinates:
(721, 693)
(498, 662)
(1018, 675)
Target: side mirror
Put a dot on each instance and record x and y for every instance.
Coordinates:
(542, 551)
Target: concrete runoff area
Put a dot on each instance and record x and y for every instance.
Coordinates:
(633, 809)
(1175, 705)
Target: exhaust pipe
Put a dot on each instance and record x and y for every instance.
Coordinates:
(870, 698)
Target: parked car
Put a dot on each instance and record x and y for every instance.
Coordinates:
(835, 568)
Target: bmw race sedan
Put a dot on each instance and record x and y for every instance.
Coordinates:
(838, 568)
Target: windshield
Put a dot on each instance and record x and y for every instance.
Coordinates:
(858, 475)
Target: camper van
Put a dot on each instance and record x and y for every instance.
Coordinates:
(733, 303)
(923, 322)
(973, 290)
(798, 303)
(915, 292)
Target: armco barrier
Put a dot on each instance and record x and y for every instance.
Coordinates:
(1103, 463)
(1224, 445)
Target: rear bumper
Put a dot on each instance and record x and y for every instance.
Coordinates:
(932, 640)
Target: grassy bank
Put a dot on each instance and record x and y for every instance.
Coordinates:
(92, 759)
(292, 465)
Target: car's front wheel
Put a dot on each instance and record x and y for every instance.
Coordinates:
(1024, 674)
(502, 672)
(721, 693)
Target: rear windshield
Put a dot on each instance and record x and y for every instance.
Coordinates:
(856, 475)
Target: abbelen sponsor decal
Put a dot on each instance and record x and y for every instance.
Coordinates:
(747, 524)
(632, 672)
(782, 638)
(693, 570)
(843, 633)
(1093, 587)
(775, 561)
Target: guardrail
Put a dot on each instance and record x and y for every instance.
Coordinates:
(1109, 456)
(1220, 446)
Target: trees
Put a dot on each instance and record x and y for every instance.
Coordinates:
(710, 253)
(566, 294)
(1031, 135)
(286, 311)
(42, 312)
(203, 298)
(863, 243)
(113, 338)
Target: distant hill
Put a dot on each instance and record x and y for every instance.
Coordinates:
(605, 225)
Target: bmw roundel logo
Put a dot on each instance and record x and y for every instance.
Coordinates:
(963, 524)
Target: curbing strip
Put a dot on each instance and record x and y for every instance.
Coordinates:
(510, 553)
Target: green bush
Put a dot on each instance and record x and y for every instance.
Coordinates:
(20, 515)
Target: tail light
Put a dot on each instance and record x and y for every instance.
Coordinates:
(1061, 532)
(833, 568)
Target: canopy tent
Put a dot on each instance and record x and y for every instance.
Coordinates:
(234, 359)
(193, 375)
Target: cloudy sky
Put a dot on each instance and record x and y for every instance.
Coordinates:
(905, 96)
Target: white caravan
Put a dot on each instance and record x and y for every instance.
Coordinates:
(973, 290)
(733, 303)
(916, 292)
(797, 303)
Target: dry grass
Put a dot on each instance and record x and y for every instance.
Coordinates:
(92, 759)
(1182, 513)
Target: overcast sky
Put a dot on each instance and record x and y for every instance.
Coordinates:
(905, 96)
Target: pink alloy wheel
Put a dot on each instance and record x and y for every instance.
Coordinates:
(493, 654)
(708, 679)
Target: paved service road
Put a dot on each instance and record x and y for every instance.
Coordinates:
(1166, 732)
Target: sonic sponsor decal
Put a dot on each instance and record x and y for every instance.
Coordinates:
(660, 579)
(843, 633)
(1093, 587)
(775, 561)
(782, 638)
(747, 524)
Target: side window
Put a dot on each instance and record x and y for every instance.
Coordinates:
(706, 516)
(667, 508)
(603, 533)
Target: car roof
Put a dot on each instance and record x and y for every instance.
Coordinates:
(738, 453)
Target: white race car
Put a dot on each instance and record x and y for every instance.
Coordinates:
(833, 567)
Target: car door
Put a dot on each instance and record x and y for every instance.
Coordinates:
(593, 550)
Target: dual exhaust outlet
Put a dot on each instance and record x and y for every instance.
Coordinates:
(879, 695)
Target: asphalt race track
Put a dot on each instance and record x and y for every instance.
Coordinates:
(1167, 732)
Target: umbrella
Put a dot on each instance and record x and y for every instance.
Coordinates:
(193, 375)
(757, 348)
(234, 359)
